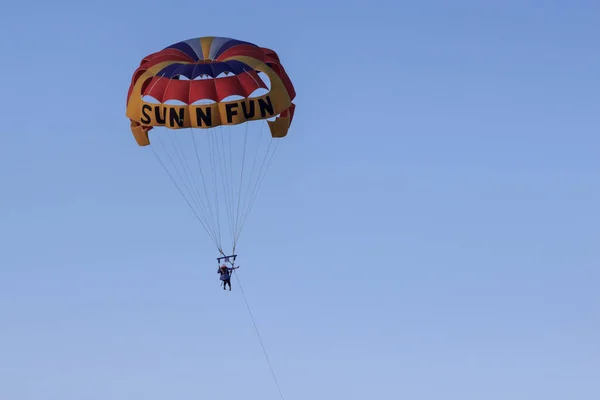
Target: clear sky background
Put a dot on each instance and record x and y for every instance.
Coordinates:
(428, 230)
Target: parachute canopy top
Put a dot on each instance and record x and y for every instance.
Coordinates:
(209, 69)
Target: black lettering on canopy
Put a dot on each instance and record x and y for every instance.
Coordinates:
(176, 116)
(204, 116)
(229, 110)
(248, 109)
(266, 107)
(160, 119)
(146, 119)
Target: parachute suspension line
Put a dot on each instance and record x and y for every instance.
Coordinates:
(186, 199)
(257, 185)
(213, 162)
(260, 136)
(192, 189)
(178, 172)
(237, 215)
(258, 334)
(216, 158)
(220, 149)
(191, 180)
(231, 188)
(229, 177)
(217, 225)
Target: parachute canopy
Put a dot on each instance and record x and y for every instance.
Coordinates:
(207, 102)
(231, 67)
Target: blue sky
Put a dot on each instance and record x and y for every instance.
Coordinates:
(428, 230)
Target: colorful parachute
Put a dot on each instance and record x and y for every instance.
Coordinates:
(211, 98)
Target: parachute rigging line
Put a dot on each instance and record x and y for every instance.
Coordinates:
(220, 157)
(208, 231)
(259, 337)
(194, 183)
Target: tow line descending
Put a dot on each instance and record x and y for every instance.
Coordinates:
(259, 337)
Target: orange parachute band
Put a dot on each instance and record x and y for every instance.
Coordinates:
(215, 68)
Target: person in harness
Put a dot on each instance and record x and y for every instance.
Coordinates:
(225, 273)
